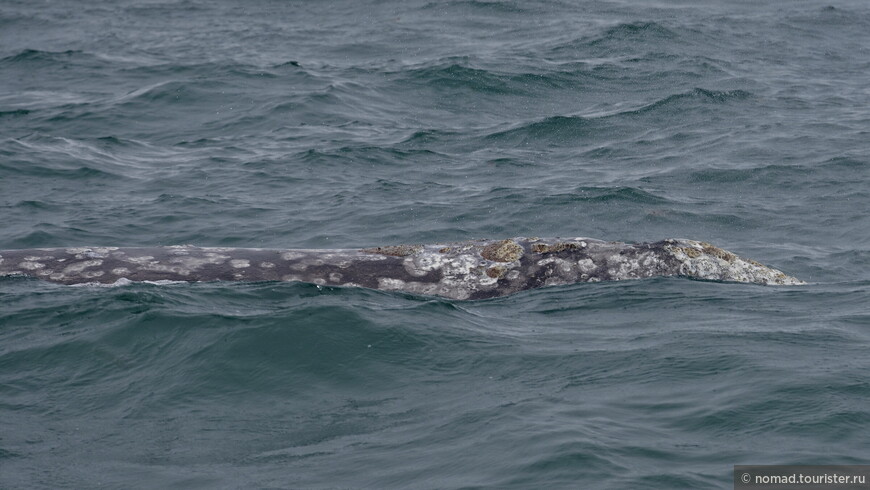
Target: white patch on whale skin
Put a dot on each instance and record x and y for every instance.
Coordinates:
(555, 281)
(145, 259)
(390, 284)
(180, 264)
(622, 268)
(158, 267)
(100, 252)
(78, 267)
(90, 253)
(180, 249)
(546, 261)
(426, 261)
(125, 282)
(421, 264)
(485, 280)
(219, 249)
(78, 250)
(586, 265)
(461, 265)
(288, 256)
(31, 265)
(335, 277)
(240, 263)
(194, 263)
(368, 257)
(267, 265)
(563, 266)
(451, 291)
(120, 271)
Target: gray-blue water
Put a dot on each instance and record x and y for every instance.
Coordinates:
(363, 123)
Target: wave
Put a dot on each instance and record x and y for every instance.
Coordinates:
(455, 76)
(569, 130)
(634, 31)
(40, 56)
(594, 195)
(463, 74)
(147, 66)
(555, 129)
(14, 113)
(831, 171)
(172, 91)
(499, 7)
(694, 98)
(42, 155)
(614, 39)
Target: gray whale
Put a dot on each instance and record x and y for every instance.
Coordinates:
(475, 269)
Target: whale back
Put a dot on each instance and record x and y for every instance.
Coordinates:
(475, 269)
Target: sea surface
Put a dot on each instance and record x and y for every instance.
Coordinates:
(356, 123)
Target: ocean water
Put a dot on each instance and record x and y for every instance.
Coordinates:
(362, 123)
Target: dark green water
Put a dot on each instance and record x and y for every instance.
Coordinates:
(364, 123)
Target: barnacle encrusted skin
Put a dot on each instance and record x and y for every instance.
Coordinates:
(503, 251)
(395, 250)
(474, 269)
(701, 260)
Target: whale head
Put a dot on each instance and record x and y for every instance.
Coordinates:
(701, 260)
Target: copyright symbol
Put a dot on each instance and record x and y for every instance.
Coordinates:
(746, 478)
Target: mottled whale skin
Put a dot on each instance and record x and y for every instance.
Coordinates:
(476, 269)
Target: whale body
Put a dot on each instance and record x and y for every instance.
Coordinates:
(476, 269)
